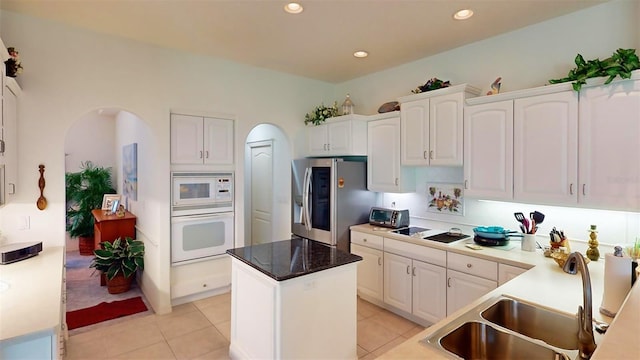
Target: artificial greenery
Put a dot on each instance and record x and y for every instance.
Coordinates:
(84, 192)
(321, 113)
(431, 84)
(621, 63)
(122, 256)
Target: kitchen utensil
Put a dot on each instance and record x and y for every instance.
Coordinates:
(537, 216)
(494, 232)
(519, 216)
(41, 203)
(525, 222)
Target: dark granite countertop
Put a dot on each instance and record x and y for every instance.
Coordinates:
(282, 260)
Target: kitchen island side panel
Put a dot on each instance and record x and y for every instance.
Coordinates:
(294, 318)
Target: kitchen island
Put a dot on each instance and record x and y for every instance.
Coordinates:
(293, 299)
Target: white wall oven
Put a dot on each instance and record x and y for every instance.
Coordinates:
(202, 215)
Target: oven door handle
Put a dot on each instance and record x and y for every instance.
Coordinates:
(185, 218)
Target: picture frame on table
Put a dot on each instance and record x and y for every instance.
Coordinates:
(114, 206)
(107, 201)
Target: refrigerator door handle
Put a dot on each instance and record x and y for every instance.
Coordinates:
(306, 190)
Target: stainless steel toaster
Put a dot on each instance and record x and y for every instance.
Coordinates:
(391, 218)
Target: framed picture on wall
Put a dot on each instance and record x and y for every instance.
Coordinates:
(108, 199)
(445, 199)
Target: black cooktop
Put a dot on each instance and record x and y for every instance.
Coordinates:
(446, 237)
(410, 230)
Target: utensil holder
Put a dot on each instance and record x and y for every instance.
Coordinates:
(528, 242)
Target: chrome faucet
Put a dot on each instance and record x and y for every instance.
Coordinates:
(586, 342)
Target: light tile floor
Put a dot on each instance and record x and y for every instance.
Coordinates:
(200, 330)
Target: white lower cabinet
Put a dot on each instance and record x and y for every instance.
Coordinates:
(463, 289)
(468, 278)
(370, 272)
(415, 286)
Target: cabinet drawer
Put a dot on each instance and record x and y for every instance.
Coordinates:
(417, 252)
(473, 266)
(368, 240)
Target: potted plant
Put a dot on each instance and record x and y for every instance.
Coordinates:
(119, 261)
(84, 192)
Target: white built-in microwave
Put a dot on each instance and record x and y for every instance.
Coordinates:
(196, 193)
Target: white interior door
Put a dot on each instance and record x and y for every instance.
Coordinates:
(261, 192)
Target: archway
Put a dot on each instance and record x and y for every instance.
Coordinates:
(98, 136)
(267, 187)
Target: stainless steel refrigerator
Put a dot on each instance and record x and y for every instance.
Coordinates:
(328, 196)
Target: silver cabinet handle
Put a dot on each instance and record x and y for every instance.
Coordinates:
(329, 147)
(200, 154)
(12, 191)
(448, 282)
(466, 184)
(431, 154)
(571, 189)
(584, 192)
(207, 154)
(424, 154)
(379, 261)
(413, 271)
(469, 266)
(396, 181)
(408, 270)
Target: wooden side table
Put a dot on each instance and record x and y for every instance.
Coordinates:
(108, 227)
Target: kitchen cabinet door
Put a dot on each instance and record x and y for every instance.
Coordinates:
(187, 139)
(218, 141)
(370, 272)
(384, 172)
(317, 140)
(414, 127)
(609, 150)
(429, 291)
(463, 289)
(545, 148)
(488, 150)
(10, 95)
(397, 281)
(446, 130)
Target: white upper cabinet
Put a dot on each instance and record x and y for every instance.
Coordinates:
(432, 126)
(384, 172)
(9, 135)
(339, 136)
(609, 149)
(545, 148)
(201, 140)
(488, 150)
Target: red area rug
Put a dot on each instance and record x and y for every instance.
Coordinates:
(104, 311)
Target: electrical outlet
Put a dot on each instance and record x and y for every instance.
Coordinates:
(24, 222)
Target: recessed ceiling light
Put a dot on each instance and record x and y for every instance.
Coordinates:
(360, 54)
(463, 14)
(293, 8)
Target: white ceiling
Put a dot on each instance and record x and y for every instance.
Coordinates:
(318, 43)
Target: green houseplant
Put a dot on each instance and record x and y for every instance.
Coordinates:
(84, 192)
(119, 261)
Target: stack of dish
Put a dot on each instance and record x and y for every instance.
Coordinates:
(493, 235)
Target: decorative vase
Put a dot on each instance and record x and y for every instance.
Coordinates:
(592, 252)
(119, 284)
(85, 245)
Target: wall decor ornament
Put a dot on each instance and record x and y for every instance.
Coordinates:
(431, 84)
(13, 66)
(445, 199)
